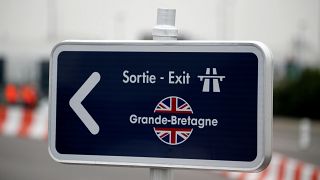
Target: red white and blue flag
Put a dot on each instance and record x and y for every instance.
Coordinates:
(173, 136)
(173, 105)
(170, 135)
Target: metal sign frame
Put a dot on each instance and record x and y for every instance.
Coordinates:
(264, 113)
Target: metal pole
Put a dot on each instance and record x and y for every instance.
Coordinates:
(164, 30)
(304, 133)
(52, 20)
(160, 174)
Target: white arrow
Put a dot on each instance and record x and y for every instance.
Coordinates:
(79, 96)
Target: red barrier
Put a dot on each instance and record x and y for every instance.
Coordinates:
(281, 168)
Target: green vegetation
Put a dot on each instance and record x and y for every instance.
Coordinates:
(299, 97)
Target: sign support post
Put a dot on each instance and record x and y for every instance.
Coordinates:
(160, 174)
(164, 30)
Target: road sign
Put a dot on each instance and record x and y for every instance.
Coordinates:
(182, 104)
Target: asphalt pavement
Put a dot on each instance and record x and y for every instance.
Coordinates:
(286, 140)
(28, 159)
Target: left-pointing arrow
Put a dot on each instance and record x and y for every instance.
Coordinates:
(79, 96)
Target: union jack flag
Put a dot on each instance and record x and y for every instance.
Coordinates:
(173, 136)
(173, 105)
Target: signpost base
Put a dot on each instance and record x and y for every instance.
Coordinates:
(160, 174)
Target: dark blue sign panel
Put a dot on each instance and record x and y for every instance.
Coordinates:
(157, 104)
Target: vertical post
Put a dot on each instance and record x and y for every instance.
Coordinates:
(164, 30)
(304, 133)
(52, 20)
(160, 174)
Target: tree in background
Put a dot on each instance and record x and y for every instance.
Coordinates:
(299, 97)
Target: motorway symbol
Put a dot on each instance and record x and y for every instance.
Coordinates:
(215, 80)
(79, 96)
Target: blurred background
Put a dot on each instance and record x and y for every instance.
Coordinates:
(30, 29)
